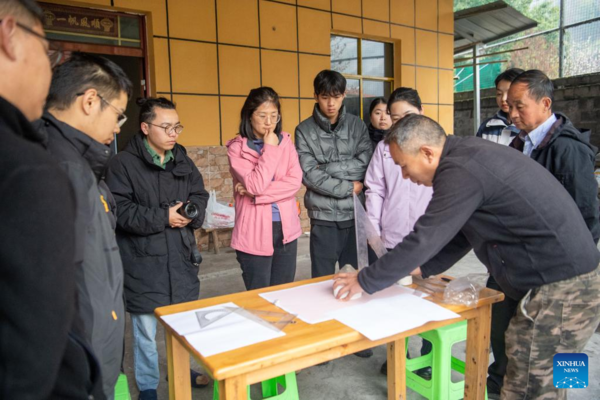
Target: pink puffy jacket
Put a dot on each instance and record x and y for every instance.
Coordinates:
(274, 176)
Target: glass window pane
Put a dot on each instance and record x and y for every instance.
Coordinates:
(352, 100)
(130, 28)
(582, 49)
(377, 59)
(372, 90)
(82, 39)
(577, 11)
(344, 55)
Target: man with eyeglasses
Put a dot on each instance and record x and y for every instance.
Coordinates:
(85, 109)
(160, 202)
(43, 352)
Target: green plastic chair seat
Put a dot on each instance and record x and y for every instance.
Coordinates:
(270, 388)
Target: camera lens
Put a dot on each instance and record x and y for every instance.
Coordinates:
(190, 210)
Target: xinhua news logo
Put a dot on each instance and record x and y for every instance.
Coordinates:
(571, 371)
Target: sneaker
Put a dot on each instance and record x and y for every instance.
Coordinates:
(424, 373)
(493, 391)
(149, 394)
(364, 353)
(383, 369)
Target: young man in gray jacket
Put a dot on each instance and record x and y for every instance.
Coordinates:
(334, 150)
(522, 225)
(86, 106)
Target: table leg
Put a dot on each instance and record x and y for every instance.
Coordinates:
(235, 388)
(478, 353)
(180, 386)
(396, 376)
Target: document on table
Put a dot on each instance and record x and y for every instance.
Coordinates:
(229, 333)
(380, 318)
(315, 303)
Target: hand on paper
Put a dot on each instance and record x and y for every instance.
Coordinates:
(350, 285)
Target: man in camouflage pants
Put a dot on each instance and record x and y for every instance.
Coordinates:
(521, 224)
(554, 318)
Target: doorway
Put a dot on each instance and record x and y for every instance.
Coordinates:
(116, 36)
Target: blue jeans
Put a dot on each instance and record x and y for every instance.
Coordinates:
(145, 355)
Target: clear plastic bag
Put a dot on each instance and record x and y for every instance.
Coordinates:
(465, 290)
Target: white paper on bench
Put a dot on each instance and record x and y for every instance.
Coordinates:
(229, 333)
(314, 303)
(381, 318)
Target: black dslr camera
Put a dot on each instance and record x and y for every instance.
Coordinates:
(188, 209)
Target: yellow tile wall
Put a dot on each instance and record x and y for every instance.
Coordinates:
(207, 54)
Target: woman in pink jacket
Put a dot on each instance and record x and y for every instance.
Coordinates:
(266, 176)
(393, 203)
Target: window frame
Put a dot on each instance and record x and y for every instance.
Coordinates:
(359, 76)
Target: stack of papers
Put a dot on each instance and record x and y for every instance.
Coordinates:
(385, 313)
(229, 333)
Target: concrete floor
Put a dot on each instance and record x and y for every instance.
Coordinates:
(348, 378)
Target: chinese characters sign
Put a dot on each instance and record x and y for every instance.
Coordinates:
(66, 19)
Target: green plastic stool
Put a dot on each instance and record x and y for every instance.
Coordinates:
(122, 389)
(441, 361)
(270, 388)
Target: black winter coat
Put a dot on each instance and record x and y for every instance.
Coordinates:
(568, 155)
(99, 272)
(157, 258)
(43, 354)
(520, 222)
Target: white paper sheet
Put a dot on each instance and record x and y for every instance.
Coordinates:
(380, 318)
(229, 333)
(314, 303)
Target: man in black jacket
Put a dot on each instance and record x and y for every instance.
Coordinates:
(86, 106)
(160, 201)
(522, 225)
(42, 355)
(551, 139)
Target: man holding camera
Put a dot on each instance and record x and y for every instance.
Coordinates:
(160, 201)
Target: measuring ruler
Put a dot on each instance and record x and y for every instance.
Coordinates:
(273, 320)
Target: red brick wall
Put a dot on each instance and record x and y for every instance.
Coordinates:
(214, 166)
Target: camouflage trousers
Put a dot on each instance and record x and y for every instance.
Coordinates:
(554, 318)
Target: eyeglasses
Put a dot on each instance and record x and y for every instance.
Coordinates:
(53, 49)
(121, 118)
(169, 129)
(272, 118)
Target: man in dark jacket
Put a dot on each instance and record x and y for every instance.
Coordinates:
(86, 106)
(151, 180)
(499, 129)
(42, 354)
(561, 149)
(551, 139)
(522, 225)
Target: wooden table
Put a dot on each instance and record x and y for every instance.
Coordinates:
(305, 345)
